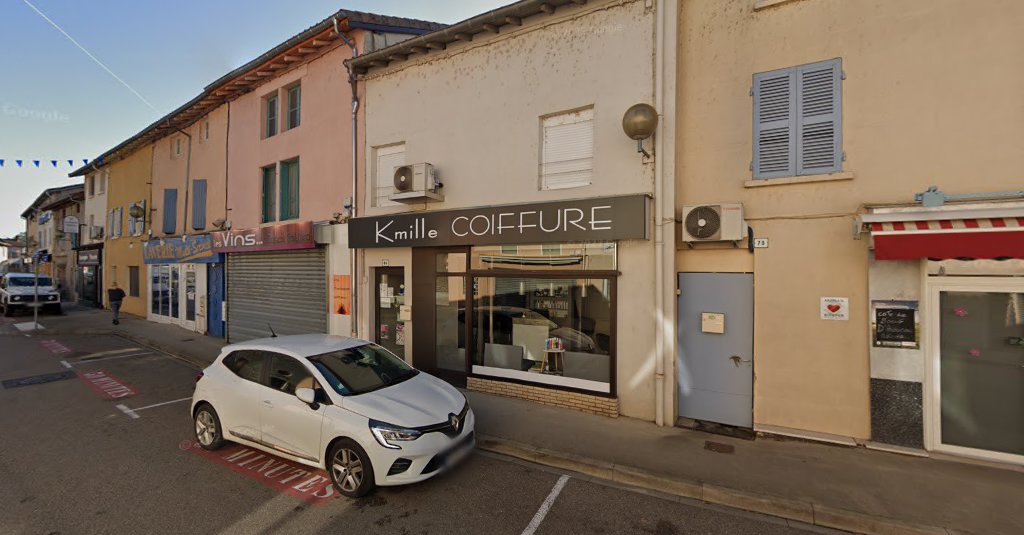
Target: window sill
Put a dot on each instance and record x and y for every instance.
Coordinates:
(844, 175)
(763, 4)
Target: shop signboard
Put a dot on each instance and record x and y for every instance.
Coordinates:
(283, 236)
(187, 250)
(581, 220)
(71, 225)
(895, 324)
(89, 257)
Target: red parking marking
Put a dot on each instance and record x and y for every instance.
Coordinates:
(54, 347)
(107, 386)
(306, 483)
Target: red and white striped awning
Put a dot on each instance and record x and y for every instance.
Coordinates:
(908, 239)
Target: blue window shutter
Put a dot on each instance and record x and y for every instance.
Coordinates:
(819, 111)
(199, 204)
(141, 225)
(170, 211)
(775, 123)
(131, 222)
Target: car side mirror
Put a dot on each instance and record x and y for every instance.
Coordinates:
(306, 395)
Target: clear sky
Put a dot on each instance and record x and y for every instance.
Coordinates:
(57, 104)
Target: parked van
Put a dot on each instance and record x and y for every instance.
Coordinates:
(18, 291)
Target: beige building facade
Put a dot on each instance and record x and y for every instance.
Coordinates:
(824, 119)
(521, 257)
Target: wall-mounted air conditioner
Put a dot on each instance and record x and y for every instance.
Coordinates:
(416, 183)
(714, 222)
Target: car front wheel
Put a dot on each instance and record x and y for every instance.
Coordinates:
(350, 469)
(208, 431)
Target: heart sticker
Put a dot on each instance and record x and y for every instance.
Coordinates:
(833, 308)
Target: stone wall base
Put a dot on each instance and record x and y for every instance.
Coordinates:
(560, 398)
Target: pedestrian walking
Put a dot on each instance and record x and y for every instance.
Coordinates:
(115, 295)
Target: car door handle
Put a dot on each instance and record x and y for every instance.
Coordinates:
(268, 403)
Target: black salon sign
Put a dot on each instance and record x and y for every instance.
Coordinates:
(583, 220)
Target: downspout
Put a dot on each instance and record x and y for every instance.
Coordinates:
(354, 259)
(227, 157)
(662, 331)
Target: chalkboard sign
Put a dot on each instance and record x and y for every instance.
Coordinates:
(896, 327)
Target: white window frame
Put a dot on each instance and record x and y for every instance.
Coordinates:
(383, 179)
(555, 170)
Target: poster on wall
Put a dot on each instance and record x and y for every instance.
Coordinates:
(400, 334)
(835, 308)
(895, 324)
(342, 291)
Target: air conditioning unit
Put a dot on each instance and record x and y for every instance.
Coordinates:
(416, 183)
(714, 222)
(96, 233)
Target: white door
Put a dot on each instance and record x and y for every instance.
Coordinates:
(976, 367)
(239, 403)
(287, 423)
(189, 296)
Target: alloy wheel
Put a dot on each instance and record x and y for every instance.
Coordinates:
(206, 428)
(347, 469)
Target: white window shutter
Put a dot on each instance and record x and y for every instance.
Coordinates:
(388, 158)
(567, 154)
(820, 113)
(775, 124)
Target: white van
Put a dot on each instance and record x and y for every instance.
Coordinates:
(18, 290)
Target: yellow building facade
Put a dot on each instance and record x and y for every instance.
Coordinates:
(128, 186)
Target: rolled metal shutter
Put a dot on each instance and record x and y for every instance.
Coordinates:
(283, 289)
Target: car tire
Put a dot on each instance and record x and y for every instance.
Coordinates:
(208, 432)
(350, 469)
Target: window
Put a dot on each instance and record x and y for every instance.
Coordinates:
(287, 374)
(114, 222)
(270, 116)
(246, 364)
(206, 130)
(294, 106)
(386, 160)
(170, 211)
(103, 183)
(798, 120)
(133, 281)
(567, 150)
(362, 369)
(137, 225)
(92, 185)
(289, 190)
(269, 196)
(198, 204)
(177, 146)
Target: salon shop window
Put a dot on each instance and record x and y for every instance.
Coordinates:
(544, 314)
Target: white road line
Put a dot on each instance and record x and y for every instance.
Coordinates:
(159, 404)
(89, 361)
(127, 411)
(112, 352)
(65, 364)
(546, 506)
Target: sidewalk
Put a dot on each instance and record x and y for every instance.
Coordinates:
(849, 488)
(853, 489)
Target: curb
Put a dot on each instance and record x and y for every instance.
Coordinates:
(800, 511)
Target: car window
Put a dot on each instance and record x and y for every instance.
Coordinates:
(362, 369)
(246, 364)
(287, 374)
(30, 281)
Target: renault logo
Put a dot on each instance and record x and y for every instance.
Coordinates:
(455, 422)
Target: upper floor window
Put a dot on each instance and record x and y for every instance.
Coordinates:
(270, 115)
(102, 179)
(137, 225)
(177, 146)
(385, 161)
(567, 150)
(92, 185)
(170, 211)
(294, 106)
(206, 130)
(798, 120)
(289, 179)
(198, 204)
(114, 222)
(268, 198)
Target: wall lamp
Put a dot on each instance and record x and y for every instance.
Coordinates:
(639, 123)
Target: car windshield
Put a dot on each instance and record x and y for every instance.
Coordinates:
(29, 281)
(362, 369)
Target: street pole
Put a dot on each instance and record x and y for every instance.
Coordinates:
(35, 307)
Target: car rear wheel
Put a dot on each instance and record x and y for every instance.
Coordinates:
(350, 469)
(208, 431)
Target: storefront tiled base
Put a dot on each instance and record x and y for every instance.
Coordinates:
(559, 398)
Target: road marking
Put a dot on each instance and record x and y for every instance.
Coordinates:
(546, 506)
(111, 352)
(127, 411)
(54, 346)
(164, 403)
(65, 363)
(312, 485)
(107, 386)
(89, 361)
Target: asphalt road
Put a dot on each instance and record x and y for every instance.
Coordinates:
(74, 462)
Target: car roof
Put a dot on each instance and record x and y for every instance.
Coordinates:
(300, 345)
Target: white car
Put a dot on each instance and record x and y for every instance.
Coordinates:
(18, 290)
(342, 404)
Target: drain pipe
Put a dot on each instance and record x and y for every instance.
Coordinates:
(664, 210)
(354, 259)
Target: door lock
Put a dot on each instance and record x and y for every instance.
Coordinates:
(737, 360)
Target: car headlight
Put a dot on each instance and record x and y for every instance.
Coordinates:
(15, 298)
(386, 434)
(53, 298)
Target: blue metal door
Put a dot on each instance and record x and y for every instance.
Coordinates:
(215, 297)
(715, 369)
